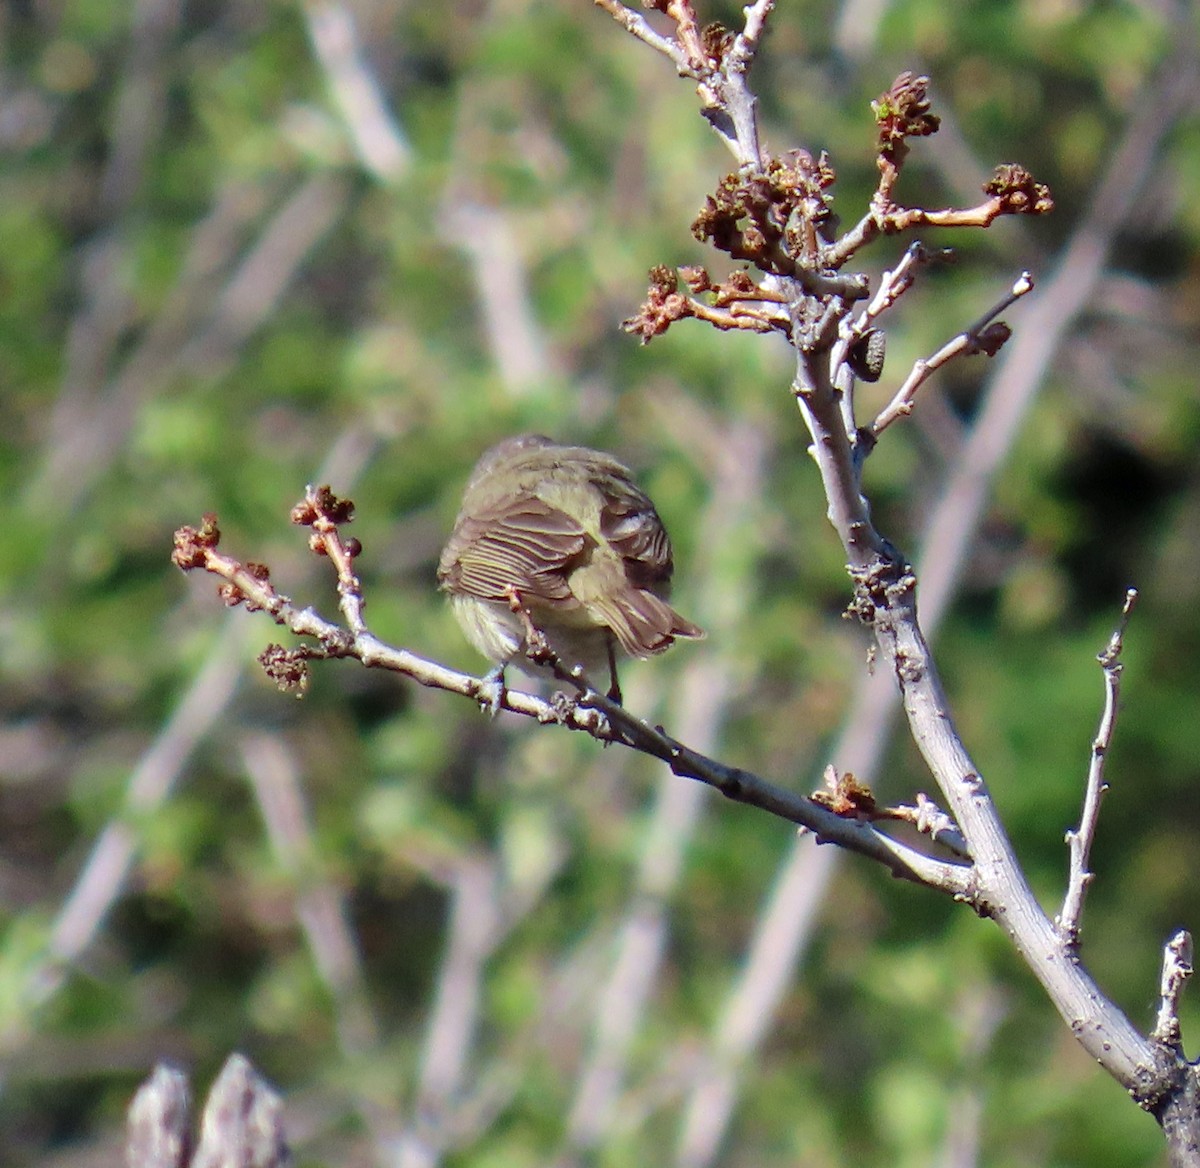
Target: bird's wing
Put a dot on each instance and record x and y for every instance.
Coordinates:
(637, 613)
(520, 543)
(632, 527)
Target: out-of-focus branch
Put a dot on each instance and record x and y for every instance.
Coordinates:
(701, 698)
(253, 290)
(474, 930)
(108, 865)
(187, 331)
(378, 139)
(455, 1099)
(516, 341)
(784, 925)
(320, 908)
(489, 236)
(978, 1013)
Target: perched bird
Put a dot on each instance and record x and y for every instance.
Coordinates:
(561, 539)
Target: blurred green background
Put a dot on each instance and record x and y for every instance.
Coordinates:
(245, 246)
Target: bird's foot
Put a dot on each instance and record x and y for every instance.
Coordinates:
(538, 649)
(492, 691)
(564, 705)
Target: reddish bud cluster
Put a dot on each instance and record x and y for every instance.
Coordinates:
(903, 112)
(1020, 194)
(321, 504)
(716, 40)
(664, 305)
(770, 217)
(287, 668)
(193, 544)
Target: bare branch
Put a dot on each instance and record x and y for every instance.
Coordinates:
(1080, 840)
(745, 44)
(108, 864)
(473, 933)
(929, 819)
(590, 712)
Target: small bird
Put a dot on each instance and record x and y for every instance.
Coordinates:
(560, 540)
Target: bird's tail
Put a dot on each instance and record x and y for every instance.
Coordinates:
(645, 624)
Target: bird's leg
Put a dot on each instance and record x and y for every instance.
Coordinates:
(614, 686)
(535, 645)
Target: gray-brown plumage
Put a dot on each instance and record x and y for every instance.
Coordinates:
(565, 533)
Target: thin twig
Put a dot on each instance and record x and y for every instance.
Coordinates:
(929, 819)
(1080, 840)
(1176, 969)
(104, 874)
(892, 285)
(746, 43)
(982, 337)
(636, 23)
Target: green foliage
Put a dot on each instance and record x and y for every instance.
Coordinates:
(137, 394)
